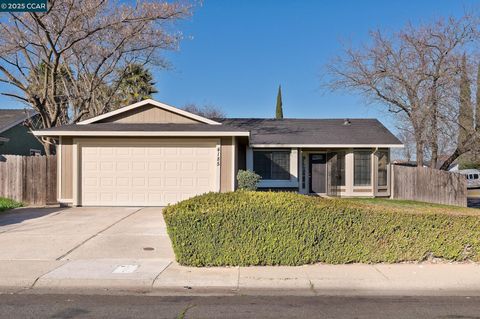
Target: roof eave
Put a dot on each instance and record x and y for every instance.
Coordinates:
(327, 145)
(53, 133)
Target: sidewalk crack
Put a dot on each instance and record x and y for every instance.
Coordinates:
(95, 235)
(380, 272)
(312, 287)
(46, 273)
(156, 277)
(238, 279)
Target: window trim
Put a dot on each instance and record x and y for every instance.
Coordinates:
(287, 151)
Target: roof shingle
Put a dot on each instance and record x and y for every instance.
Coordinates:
(10, 117)
(315, 131)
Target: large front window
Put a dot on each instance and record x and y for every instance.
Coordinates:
(362, 169)
(272, 165)
(382, 168)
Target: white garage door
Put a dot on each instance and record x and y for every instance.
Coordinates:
(147, 174)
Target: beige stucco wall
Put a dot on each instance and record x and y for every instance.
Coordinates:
(66, 169)
(227, 165)
(149, 114)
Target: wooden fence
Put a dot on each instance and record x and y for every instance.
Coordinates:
(429, 185)
(29, 179)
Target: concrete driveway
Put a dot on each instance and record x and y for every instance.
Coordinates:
(84, 233)
(62, 246)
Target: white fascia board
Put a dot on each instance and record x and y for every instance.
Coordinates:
(154, 103)
(327, 145)
(137, 133)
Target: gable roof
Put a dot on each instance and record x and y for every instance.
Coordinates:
(11, 117)
(149, 102)
(315, 132)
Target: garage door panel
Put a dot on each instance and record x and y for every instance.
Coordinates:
(146, 175)
(107, 166)
(107, 196)
(155, 166)
(107, 181)
(138, 181)
(154, 181)
(187, 166)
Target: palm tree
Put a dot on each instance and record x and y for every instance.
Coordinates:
(136, 84)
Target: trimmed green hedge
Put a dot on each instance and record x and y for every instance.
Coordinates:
(269, 228)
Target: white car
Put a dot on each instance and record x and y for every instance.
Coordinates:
(473, 177)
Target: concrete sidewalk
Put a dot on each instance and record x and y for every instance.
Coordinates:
(107, 250)
(163, 277)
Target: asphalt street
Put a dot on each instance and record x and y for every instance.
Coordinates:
(108, 306)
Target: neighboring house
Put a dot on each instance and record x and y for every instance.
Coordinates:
(152, 154)
(16, 138)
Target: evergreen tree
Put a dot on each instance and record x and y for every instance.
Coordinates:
(279, 111)
(477, 110)
(465, 116)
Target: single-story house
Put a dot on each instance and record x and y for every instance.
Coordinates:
(15, 137)
(153, 154)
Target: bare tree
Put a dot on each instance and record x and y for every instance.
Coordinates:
(208, 111)
(63, 62)
(414, 73)
(405, 134)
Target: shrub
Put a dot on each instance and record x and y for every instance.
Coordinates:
(6, 203)
(247, 180)
(267, 228)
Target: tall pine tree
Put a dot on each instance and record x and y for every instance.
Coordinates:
(279, 111)
(465, 115)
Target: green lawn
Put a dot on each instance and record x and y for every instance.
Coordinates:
(6, 204)
(413, 206)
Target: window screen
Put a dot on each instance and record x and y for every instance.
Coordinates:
(382, 168)
(274, 165)
(341, 168)
(362, 169)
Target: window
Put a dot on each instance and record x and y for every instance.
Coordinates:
(475, 176)
(34, 152)
(341, 168)
(274, 165)
(362, 168)
(304, 171)
(382, 168)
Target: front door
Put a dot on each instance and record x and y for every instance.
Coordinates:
(318, 170)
